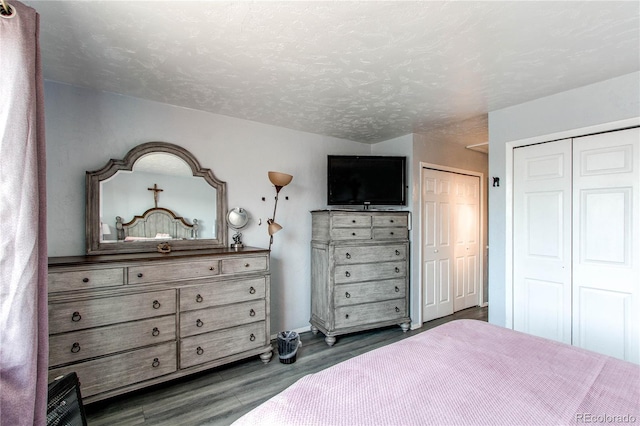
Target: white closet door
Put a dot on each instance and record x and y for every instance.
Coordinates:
(542, 240)
(606, 254)
(437, 249)
(466, 274)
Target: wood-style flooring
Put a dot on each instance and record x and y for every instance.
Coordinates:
(221, 395)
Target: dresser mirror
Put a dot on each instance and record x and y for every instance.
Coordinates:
(158, 198)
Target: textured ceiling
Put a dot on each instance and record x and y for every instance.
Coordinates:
(365, 71)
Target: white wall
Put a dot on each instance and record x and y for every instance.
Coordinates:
(594, 105)
(85, 128)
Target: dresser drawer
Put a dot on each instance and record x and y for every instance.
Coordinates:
(349, 316)
(349, 220)
(208, 347)
(372, 291)
(78, 345)
(390, 233)
(245, 264)
(205, 320)
(166, 271)
(221, 293)
(85, 280)
(369, 272)
(115, 371)
(81, 314)
(367, 254)
(346, 234)
(388, 221)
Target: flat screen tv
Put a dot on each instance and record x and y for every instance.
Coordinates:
(366, 180)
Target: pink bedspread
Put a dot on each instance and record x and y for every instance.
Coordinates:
(464, 372)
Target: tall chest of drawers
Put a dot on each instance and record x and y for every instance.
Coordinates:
(359, 271)
(124, 322)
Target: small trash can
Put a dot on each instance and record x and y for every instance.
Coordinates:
(288, 343)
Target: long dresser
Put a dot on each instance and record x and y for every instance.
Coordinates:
(359, 271)
(127, 321)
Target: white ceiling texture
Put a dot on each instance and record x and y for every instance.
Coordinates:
(366, 71)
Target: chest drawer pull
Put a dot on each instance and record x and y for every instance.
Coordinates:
(199, 298)
(199, 350)
(397, 309)
(391, 220)
(199, 323)
(348, 256)
(211, 268)
(397, 289)
(85, 280)
(347, 274)
(140, 275)
(75, 317)
(155, 363)
(246, 265)
(397, 269)
(347, 316)
(252, 290)
(75, 348)
(347, 295)
(252, 337)
(391, 233)
(353, 233)
(397, 252)
(156, 304)
(155, 332)
(252, 313)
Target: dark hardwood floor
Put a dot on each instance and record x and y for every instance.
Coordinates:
(220, 396)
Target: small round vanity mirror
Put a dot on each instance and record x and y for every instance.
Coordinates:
(237, 219)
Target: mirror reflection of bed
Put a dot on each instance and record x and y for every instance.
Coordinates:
(156, 223)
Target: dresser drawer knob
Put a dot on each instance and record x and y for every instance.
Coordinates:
(252, 337)
(140, 274)
(347, 274)
(199, 298)
(246, 265)
(397, 309)
(397, 289)
(397, 252)
(391, 220)
(211, 268)
(75, 348)
(397, 269)
(252, 290)
(75, 317)
(199, 323)
(391, 233)
(353, 221)
(353, 234)
(348, 256)
(347, 295)
(155, 332)
(85, 280)
(156, 304)
(199, 350)
(155, 363)
(347, 316)
(252, 313)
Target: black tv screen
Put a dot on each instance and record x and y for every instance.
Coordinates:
(366, 180)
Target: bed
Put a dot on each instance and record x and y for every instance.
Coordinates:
(465, 372)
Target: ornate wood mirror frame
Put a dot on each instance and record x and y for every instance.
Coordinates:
(94, 221)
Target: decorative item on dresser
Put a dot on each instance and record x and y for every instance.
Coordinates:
(125, 316)
(359, 271)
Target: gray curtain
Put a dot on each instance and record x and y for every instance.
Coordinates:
(24, 343)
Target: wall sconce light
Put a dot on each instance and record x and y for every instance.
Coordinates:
(279, 180)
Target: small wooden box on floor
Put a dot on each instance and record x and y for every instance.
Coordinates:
(359, 271)
(123, 322)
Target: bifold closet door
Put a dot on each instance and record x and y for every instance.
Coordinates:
(542, 240)
(451, 242)
(606, 243)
